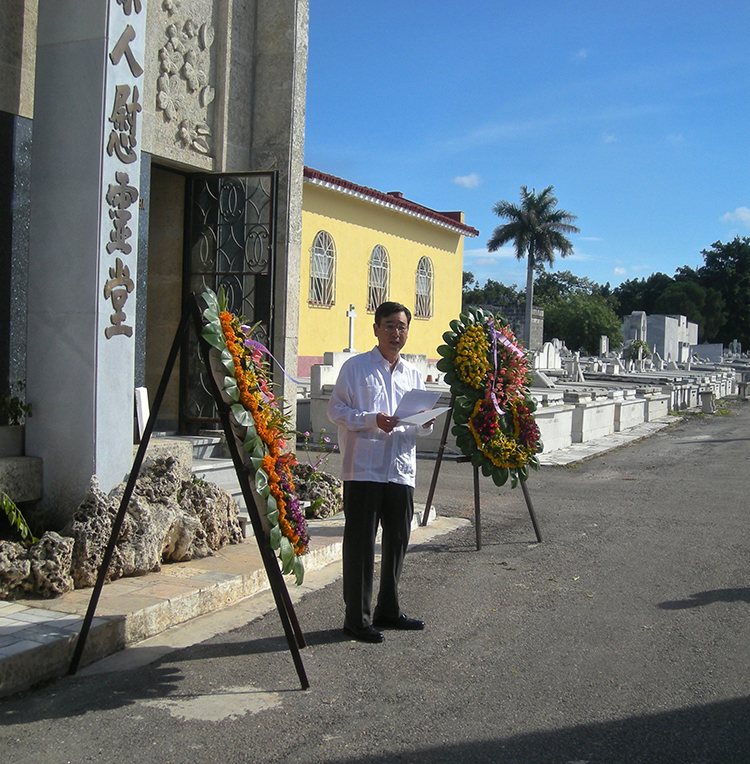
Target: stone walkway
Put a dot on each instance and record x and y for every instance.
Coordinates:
(37, 637)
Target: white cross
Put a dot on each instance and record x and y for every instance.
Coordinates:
(351, 314)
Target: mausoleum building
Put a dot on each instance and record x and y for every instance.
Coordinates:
(148, 148)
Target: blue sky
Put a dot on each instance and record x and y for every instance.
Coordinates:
(636, 112)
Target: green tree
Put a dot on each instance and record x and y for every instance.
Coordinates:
(641, 294)
(727, 270)
(547, 286)
(537, 230)
(580, 320)
(493, 293)
(701, 305)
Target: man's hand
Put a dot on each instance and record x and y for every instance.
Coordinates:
(386, 423)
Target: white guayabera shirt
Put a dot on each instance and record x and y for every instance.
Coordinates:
(365, 388)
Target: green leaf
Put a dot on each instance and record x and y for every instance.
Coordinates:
(457, 326)
(477, 459)
(446, 352)
(209, 297)
(523, 473)
(231, 389)
(513, 478)
(261, 483)
(500, 476)
(286, 550)
(275, 539)
(444, 365)
(253, 444)
(214, 338)
(487, 467)
(298, 569)
(534, 464)
(241, 415)
(227, 360)
(450, 338)
(257, 462)
(16, 518)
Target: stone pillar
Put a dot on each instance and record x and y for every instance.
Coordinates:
(84, 243)
(278, 143)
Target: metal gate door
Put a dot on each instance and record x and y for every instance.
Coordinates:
(229, 243)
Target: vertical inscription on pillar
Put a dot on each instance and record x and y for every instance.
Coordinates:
(121, 165)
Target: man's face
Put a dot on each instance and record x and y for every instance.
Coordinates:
(392, 333)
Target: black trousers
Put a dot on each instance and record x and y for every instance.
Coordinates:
(365, 505)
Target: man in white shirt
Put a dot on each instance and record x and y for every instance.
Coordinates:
(379, 468)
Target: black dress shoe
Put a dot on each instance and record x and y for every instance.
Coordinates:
(403, 622)
(363, 634)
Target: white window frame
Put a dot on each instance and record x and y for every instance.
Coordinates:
(378, 277)
(424, 288)
(322, 270)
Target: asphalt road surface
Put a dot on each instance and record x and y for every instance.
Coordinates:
(623, 638)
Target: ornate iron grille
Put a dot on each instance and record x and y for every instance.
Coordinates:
(378, 279)
(230, 244)
(423, 301)
(322, 270)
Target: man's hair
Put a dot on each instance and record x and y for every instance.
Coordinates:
(386, 309)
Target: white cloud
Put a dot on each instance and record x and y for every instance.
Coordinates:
(740, 215)
(620, 271)
(483, 257)
(589, 238)
(608, 138)
(472, 180)
(581, 54)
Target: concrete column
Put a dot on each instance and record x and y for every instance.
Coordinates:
(84, 244)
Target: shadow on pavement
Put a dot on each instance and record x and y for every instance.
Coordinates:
(708, 598)
(716, 733)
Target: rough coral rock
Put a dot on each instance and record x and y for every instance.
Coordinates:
(41, 570)
(51, 558)
(322, 490)
(171, 517)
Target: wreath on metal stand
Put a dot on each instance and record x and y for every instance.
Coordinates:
(493, 412)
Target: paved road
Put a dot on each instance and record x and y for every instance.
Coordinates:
(623, 638)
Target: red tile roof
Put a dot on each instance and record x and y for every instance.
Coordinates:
(393, 199)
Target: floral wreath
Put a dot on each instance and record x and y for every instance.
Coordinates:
(489, 375)
(261, 427)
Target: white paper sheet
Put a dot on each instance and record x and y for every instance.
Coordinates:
(424, 416)
(415, 401)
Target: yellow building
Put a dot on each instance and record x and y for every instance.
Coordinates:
(361, 247)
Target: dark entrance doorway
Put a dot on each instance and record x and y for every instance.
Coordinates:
(230, 238)
(216, 231)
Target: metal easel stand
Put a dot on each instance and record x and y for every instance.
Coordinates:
(294, 636)
(477, 512)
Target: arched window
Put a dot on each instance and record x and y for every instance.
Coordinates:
(423, 291)
(378, 278)
(322, 270)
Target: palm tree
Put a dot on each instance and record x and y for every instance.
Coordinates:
(537, 231)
